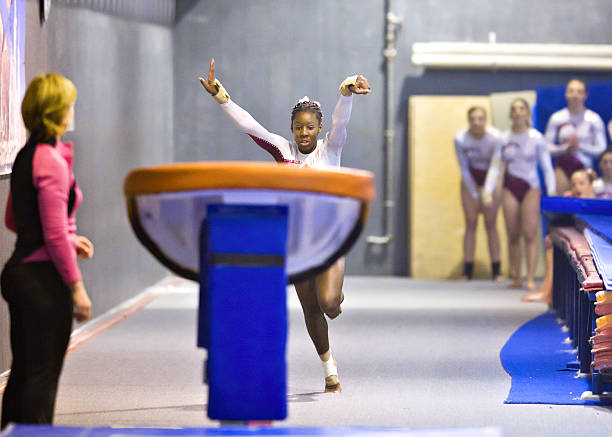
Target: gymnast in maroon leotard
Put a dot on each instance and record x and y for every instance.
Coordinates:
(523, 149)
(475, 147)
(575, 135)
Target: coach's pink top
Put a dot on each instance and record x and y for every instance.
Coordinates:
(52, 177)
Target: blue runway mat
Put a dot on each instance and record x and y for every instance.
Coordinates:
(64, 431)
(536, 358)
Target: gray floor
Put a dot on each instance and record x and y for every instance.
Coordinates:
(410, 353)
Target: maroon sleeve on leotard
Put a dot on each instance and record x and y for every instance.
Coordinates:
(269, 147)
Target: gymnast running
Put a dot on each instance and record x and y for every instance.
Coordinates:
(524, 147)
(603, 185)
(475, 147)
(576, 135)
(321, 295)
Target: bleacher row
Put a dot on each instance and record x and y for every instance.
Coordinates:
(582, 285)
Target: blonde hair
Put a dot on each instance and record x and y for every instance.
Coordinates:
(45, 104)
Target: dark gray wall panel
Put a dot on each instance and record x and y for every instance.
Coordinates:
(154, 11)
(123, 119)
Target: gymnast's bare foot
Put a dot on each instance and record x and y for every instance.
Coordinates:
(538, 296)
(499, 278)
(531, 286)
(517, 283)
(332, 384)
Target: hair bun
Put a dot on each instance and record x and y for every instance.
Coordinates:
(306, 99)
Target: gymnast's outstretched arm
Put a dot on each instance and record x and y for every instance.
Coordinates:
(336, 136)
(274, 144)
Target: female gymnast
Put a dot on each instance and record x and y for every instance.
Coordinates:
(42, 282)
(321, 295)
(475, 147)
(575, 135)
(581, 186)
(603, 185)
(524, 147)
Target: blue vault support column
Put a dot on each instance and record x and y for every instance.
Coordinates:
(242, 317)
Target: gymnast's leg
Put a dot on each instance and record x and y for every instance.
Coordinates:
(544, 293)
(490, 220)
(530, 218)
(316, 324)
(320, 296)
(329, 289)
(470, 213)
(512, 218)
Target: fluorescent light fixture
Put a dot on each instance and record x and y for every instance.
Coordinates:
(512, 56)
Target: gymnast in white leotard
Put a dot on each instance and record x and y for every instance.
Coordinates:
(575, 135)
(321, 295)
(523, 148)
(475, 146)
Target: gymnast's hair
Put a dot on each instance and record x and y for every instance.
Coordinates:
(307, 106)
(588, 172)
(523, 101)
(577, 79)
(474, 109)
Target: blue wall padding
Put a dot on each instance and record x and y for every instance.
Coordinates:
(245, 313)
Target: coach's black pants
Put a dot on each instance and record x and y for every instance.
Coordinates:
(40, 307)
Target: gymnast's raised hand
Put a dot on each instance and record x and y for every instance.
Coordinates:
(362, 86)
(209, 83)
(212, 86)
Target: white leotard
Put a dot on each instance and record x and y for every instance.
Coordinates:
(603, 190)
(521, 155)
(327, 152)
(475, 154)
(589, 128)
